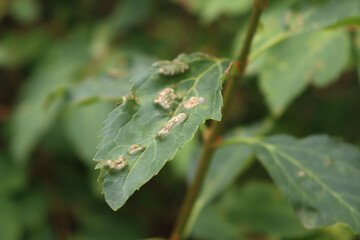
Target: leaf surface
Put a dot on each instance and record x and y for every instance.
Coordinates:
(319, 175)
(285, 19)
(82, 125)
(227, 163)
(230, 160)
(32, 118)
(316, 58)
(356, 44)
(163, 113)
(111, 81)
(257, 207)
(210, 10)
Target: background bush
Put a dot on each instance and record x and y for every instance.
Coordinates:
(64, 65)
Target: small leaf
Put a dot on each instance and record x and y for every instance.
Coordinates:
(316, 58)
(160, 131)
(319, 175)
(285, 19)
(313, 15)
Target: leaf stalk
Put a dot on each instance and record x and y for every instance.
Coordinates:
(234, 76)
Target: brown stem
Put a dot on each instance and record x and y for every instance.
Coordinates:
(214, 131)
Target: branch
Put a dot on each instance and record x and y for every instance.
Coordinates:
(235, 75)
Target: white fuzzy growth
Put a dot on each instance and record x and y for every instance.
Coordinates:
(173, 122)
(161, 63)
(134, 148)
(117, 164)
(129, 97)
(171, 68)
(193, 101)
(166, 98)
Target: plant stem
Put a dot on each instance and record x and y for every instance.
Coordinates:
(214, 131)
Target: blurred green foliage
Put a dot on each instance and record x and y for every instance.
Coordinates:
(64, 64)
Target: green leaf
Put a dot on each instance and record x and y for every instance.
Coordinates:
(319, 175)
(210, 10)
(32, 118)
(357, 51)
(98, 89)
(227, 163)
(285, 19)
(82, 125)
(316, 58)
(25, 11)
(256, 208)
(334, 233)
(111, 81)
(314, 14)
(33, 208)
(163, 113)
(12, 177)
(37, 41)
(10, 226)
(185, 156)
(96, 223)
(126, 15)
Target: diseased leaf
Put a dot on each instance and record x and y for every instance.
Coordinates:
(319, 175)
(163, 113)
(316, 58)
